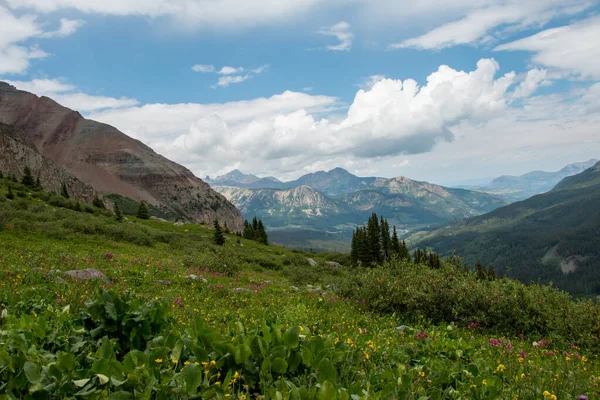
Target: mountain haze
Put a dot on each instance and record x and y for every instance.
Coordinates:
(553, 236)
(517, 188)
(110, 161)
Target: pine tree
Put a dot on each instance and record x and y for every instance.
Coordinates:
(386, 241)
(262, 234)
(1, 175)
(374, 239)
(404, 253)
(480, 271)
(9, 194)
(218, 237)
(38, 184)
(118, 214)
(98, 203)
(142, 212)
(63, 191)
(27, 178)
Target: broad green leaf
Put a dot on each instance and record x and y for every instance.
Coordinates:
(81, 382)
(192, 375)
(326, 371)
(327, 391)
(291, 337)
(32, 372)
(279, 365)
(103, 379)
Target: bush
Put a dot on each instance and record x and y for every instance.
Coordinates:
(450, 295)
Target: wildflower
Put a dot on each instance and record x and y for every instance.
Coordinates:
(473, 386)
(158, 360)
(421, 373)
(500, 368)
(484, 382)
(582, 397)
(520, 359)
(186, 363)
(174, 361)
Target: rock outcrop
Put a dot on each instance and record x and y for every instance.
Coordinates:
(17, 152)
(110, 161)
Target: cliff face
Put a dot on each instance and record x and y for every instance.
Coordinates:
(110, 161)
(17, 152)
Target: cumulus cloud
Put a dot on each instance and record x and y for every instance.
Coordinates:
(533, 80)
(485, 22)
(15, 33)
(341, 31)
(68, 95)
(573, 48)
(393, 117)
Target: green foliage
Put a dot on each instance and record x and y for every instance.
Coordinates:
(372, 244)
(9, 194)
(218, 237)
(255, 231)
(98, 203)
(27, 178)
(63, 191)
(118, 214)
(142, 212)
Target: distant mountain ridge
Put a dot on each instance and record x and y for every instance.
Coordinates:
(517, 188)
(554, 236)
(338, 201)
(110, 161)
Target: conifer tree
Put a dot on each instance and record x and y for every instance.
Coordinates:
(396, 247)
(98, 203)
(118, 213)
(262, 234)
(27, 178)
(218, 237)
(142, 212)
(63, 191)
(1, 175)
(9, 194)
(38, 184)
(374, 239)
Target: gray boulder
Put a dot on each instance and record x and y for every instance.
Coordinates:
(87, 274)
(311, 262)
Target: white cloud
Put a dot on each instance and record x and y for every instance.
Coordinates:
(533, 80)
(342, 32)
(204, 14)
(484, 23)
(229, 75)
(68, 95)
(288, 131)
(67, 28)
(204, 68)
(227, 70)
(574, 49)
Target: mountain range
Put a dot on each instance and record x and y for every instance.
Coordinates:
(552, 236)
(517, 188)
(109, 161)
(337, 201)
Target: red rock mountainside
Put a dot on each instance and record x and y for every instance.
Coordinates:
(17, 152)
(110, 161)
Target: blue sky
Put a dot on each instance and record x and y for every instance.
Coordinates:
(438, 91)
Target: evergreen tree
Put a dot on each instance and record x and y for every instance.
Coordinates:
(118, 213)
(396, 247)
(77, 207)
(27, 178)
(404, 254)
(386, 241)
(480, 271)
(218, 237)
(14, 178)
(98, 203)
(9, 194)
(38, 184)
(142, 212)
(374, 239)
(262, 234)
(1, 175)
(63, 191)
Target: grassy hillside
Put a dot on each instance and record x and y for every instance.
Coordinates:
(554, 236)
(262, 322)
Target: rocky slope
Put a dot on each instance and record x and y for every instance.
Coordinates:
(17, 152)
(405, 203)
(110, 161)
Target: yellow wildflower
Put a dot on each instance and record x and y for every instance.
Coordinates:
(158, 360)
